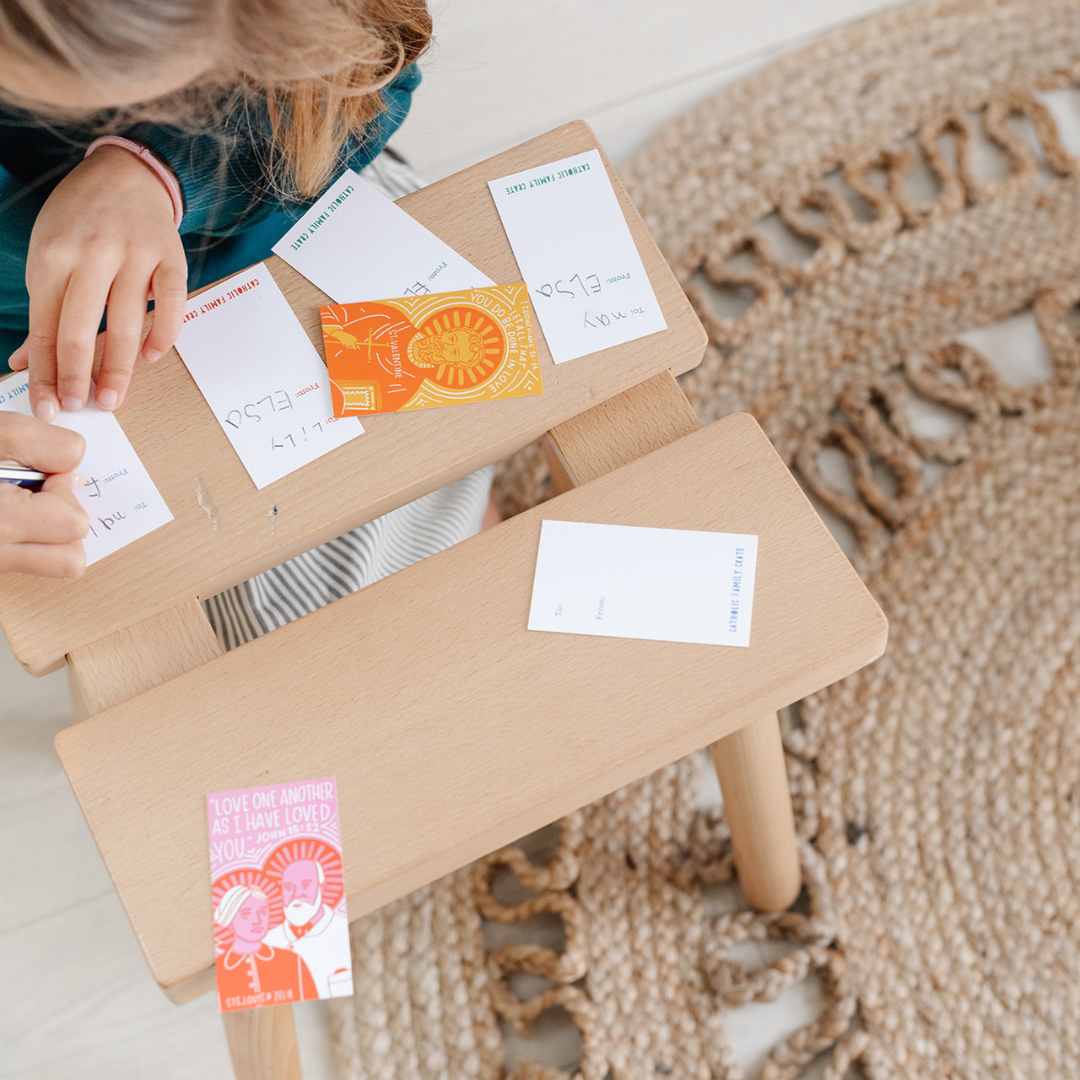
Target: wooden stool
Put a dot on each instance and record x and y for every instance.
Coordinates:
(457, 730)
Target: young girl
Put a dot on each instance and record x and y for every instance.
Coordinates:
(224, 121)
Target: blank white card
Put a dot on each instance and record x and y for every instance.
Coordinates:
(655, 584)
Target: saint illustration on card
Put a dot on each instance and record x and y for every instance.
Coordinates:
(314, 926)
(437, 349)
(281, 931)
(250, 971)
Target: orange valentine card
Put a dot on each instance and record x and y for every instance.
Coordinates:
(439, 349)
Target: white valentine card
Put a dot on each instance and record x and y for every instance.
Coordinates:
(587, 283)
(356, 244)
(656, 584)
(121, 499)
(261, 376)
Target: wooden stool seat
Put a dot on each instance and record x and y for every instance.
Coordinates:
(452, 729)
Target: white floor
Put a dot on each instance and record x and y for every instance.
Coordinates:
(75, 997)
(500, 73)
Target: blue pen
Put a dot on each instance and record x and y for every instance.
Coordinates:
(27, 478)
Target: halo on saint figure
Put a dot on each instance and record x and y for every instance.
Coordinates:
(333, 886)
(458, 348)
(257, 879)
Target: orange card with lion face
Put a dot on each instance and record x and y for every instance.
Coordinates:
(440, 349)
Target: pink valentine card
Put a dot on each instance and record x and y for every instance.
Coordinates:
(281, 933)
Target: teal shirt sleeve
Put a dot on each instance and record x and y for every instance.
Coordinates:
(225, 175)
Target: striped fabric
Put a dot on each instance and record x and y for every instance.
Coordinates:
(373, 551)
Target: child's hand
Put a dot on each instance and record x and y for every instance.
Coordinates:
(105, 235)
(41, 532)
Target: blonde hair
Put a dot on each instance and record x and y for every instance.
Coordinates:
(313, 68)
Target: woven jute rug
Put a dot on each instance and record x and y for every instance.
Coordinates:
(914, 162)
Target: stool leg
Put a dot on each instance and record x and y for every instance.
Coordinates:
(757, 807)
(262, 1043)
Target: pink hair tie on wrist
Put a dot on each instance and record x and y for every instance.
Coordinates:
(148, 159)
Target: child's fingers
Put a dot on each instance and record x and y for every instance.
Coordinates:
(20, 358)
(76, 336)
(52, 516)
(41, 350)
(57, 516)
(123, 334)
(39, 446)
(70, 480)
(169, 285)
(45, 560)
(63, 485)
